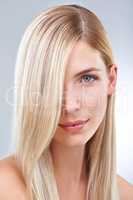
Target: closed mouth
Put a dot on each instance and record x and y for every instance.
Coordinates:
(72, 124)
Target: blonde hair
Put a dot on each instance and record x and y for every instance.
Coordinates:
(40, 71)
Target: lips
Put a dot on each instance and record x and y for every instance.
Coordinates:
(75, 123)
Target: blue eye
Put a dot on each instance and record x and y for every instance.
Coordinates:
(88, 78)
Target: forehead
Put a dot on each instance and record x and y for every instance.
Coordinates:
(83, 57)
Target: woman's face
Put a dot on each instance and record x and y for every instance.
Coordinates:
(86, 88)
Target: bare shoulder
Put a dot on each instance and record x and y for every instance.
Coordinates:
(11, 180)
(125, 189)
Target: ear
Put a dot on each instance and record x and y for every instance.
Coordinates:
(112, 79)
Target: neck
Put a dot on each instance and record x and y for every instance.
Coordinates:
(69, 163)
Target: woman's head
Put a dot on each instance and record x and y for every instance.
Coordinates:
(59, 43)
(87, 86)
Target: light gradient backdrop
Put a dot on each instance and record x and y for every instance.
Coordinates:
(117, 18)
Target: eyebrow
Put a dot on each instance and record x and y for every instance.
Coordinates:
(87, 70)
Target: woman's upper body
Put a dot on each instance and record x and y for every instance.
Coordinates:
(12, 186)
(56, 46)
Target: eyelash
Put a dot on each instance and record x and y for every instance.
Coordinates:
(94, 77)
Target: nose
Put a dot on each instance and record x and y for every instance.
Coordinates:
(70, 102)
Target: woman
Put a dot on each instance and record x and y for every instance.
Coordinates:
(64, 112)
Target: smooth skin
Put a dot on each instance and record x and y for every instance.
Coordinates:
(83, 98)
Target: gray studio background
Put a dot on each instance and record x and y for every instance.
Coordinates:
(117, 17)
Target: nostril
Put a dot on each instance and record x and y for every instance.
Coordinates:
(70, 108)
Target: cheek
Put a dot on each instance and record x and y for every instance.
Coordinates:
(100, 105)
(95, 100)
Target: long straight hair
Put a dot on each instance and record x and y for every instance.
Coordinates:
(39, 78)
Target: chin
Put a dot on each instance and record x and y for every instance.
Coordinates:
(73, 140)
